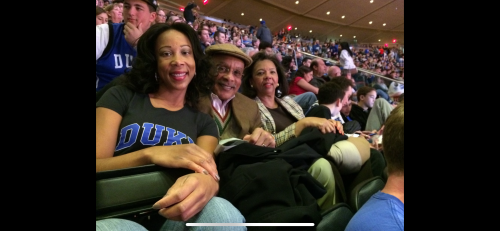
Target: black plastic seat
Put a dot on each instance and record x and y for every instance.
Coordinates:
(363, 191)
(336, 218)
(132, 191)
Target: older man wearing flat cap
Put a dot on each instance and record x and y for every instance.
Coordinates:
(236, 115)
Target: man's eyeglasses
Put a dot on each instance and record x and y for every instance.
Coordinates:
(225, 70)
(163, 16)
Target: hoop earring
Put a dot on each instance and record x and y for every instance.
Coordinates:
(156, 77)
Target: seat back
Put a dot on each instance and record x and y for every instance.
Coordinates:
(363, 191)
(335, 218)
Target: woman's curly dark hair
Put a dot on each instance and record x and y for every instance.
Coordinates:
(250, 92)
(141, 77)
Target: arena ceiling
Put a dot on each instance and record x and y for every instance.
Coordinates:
(311, 19)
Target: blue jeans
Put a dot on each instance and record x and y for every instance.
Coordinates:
(305, 100)
(217, 210)
(113, 224)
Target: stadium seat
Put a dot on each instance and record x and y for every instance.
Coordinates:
(335, 218)
(130, 193)
(363, 191)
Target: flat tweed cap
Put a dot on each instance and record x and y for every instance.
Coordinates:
(228, 49)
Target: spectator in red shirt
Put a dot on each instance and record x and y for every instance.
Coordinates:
(300, 83)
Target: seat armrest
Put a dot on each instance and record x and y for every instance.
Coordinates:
(132, 190)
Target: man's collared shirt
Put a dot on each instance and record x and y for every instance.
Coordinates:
(218, 105)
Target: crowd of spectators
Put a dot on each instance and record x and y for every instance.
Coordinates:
(367, 56)
(297, 54)
(306, 62)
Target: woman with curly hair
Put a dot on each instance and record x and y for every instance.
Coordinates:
(151, 117)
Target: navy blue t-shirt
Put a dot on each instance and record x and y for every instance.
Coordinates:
(143, 125)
